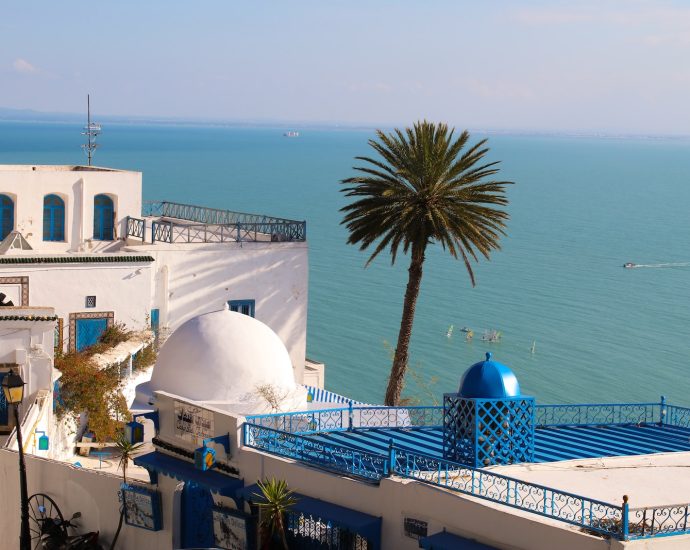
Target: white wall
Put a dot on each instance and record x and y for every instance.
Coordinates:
(28, 185)
(124, 288)
(202, 277)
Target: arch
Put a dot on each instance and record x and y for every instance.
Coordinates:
(53, 218)
(6, 216)
(103, 218)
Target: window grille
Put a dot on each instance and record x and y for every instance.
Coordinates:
(90, 301)
(415, 528)
(245, 307)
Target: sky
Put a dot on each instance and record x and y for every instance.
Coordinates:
(610, 66)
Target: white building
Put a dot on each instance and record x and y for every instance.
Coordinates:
(76, 239)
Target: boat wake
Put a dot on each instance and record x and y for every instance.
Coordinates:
(676, 264)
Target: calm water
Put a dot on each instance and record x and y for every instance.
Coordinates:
(580, 209)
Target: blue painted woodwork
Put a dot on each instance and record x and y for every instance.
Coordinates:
(53, 218)
(88, 331)
(155, 321)
(489, 379)
(103, 218)
(197, 517)
(215, 482)
(4, 417)
(134, 432)
(142, 507)
(43, 441)
(6, 216)
(245, 307)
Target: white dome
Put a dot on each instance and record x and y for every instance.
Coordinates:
(222, 357)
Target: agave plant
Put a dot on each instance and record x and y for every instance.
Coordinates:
(275, 500)
(126, 451)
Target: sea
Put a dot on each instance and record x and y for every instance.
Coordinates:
(575, 325)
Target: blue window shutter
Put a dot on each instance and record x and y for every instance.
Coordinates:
(103, 218)
(53, 218)
(246, 307)
(6, 216)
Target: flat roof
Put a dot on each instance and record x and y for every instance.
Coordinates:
(56, 168)
(550, 444)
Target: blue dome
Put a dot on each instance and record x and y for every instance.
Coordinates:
(489, 380)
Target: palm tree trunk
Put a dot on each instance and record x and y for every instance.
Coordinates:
(396, 381)
(119, 527)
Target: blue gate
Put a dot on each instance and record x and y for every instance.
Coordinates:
(3, 403)
(197, 517)
(103, 218)
(6, 216)
(88, 331)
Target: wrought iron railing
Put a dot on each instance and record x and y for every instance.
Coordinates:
(597, 414)
(351, 418)
(369, 466)
(677, 416)
(136, 227)
(658, 521)
(594, 515)
(326, 420)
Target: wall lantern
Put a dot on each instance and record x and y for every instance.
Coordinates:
(13, 388)
(134, 432)
(205, 457)
(43, 441)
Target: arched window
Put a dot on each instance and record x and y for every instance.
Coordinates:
(53, 218)
(103, 218)
(6, 216)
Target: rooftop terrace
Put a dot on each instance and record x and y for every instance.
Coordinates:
(572, 446)
(172, 222)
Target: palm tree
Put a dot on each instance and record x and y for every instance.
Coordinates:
(275, 501)
(426, 187)
(126, 451)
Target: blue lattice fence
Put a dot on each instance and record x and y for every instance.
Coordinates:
(484, 432)
(677, 416)
(658, 521)
(324, 420)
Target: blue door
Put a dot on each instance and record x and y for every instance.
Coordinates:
(6, 216)
(53, 218)
(197, 517)
(103, 218)
(3, 403)
(155, 321)
(88, 331)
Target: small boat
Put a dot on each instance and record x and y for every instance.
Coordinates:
(449, 332)
(466, 329)
(629, 265)
(291, 133)
(534, 347)
(491, 336)
(469, 335)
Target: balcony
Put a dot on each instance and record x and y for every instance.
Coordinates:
(172, 222)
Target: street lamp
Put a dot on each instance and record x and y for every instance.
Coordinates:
(13, 388)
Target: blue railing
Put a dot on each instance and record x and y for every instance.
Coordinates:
(677, 416)
(597, 414)
(351, 418)
(658, 521)
(595, 515)
(361, 464)
(136, 227)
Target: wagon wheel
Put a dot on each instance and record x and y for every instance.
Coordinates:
(42, 508)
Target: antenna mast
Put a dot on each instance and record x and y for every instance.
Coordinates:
(91, 131)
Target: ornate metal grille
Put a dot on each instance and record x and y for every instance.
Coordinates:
(308, 532)
(484, 432)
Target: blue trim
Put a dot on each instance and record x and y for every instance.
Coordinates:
(155, 321)
(247, 307)
(184, 471)
(154, 499)
(4, 416)
(6, 216)
(53, 218)
(103, 218)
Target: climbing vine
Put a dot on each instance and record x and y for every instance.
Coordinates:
(87, 387)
